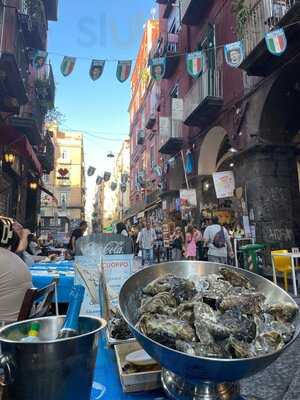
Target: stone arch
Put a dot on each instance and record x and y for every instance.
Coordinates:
(209, 151)
(280, 117)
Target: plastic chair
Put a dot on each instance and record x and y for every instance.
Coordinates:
(282, 264)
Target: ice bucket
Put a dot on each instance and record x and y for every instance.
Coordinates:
(51, 369)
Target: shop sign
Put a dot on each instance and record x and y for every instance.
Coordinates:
(188, 198)
(224, 184)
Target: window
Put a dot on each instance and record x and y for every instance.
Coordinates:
(46, 178)
(64, 199)
(174, 18)
(152, 161)
(65, 156)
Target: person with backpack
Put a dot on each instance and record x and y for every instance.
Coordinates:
(217, 239)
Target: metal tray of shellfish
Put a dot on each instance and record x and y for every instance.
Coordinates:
(117, 331)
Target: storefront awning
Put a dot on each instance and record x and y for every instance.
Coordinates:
(17, 142)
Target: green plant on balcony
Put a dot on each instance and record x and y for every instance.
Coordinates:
(242, 13)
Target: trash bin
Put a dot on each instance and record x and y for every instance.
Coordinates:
(251, 257)
(50, 369)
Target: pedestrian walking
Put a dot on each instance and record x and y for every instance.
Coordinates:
(217, 238)
(177, 244)
(146, 240)
(191, 238)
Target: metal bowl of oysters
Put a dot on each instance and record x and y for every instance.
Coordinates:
(208, 325)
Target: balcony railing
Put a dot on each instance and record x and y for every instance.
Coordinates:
(171, 139)
(264, 16)
(35, 24)
(46, 154)
(14, 62)
(191, 11)
(205, 98)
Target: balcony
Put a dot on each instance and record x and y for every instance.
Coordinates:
(192, 11)
(171, 140)
(205, 99)
(14, 62)
(162, 1)
(51, 8)
(34, 24)
(45, 87)
(264, 17)
(30, 121)
(46, 154)
(167, 46)
(141, 137)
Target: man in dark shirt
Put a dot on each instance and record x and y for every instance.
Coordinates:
(76, 234)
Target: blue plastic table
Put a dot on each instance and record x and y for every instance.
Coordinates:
(106, 378)
(44, 273)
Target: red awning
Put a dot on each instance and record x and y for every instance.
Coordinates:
(17, 142)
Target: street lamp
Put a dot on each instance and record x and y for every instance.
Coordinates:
(33, 185)
(9, 158)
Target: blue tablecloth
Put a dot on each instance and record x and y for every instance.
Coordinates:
(44, 273)
(107, 376)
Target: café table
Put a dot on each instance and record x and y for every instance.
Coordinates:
(293, 256)
(63, 271)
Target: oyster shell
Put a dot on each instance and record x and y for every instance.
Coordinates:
(159, 304)
(268, 342)
(166, 330)
(215, 350)
(235, 278)
(241, 349)
(247, 303)
(162, 284)
(283, 312)
(238, 325)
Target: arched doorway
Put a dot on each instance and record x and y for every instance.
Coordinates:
(268, 169)
(214, 156)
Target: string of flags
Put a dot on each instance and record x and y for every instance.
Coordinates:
(234, 53)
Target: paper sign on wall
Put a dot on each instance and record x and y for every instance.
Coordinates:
(188, 198)
(224, 184)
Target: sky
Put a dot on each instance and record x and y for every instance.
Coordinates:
(96, 29)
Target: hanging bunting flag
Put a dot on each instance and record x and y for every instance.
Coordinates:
(39, 59)
(234, 54)
(67, 65)
(99, 180)
(124, 178)
(97, 68)
(113, 186)
(276, 42)
(106, 176)
(194, 64)
(189, 164)
(123, 70)
(91, 171)
(158, 68)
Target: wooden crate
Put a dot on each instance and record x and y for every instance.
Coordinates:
(138, 381)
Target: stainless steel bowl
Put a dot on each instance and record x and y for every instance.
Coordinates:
(191, 368)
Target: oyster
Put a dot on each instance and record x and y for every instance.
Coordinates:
(247, 303)
(159, 304)
(241, 349)
(159, 285)
(215, 350)
(182, 289)
(217, 289)
(267, 324)
(166, 330)
(235, 278)
(238, 325)
(268, 342)
(283, 312)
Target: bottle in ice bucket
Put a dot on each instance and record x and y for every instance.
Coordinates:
(33, 333)
(71, 325)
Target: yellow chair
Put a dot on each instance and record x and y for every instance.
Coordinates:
(282, 264)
